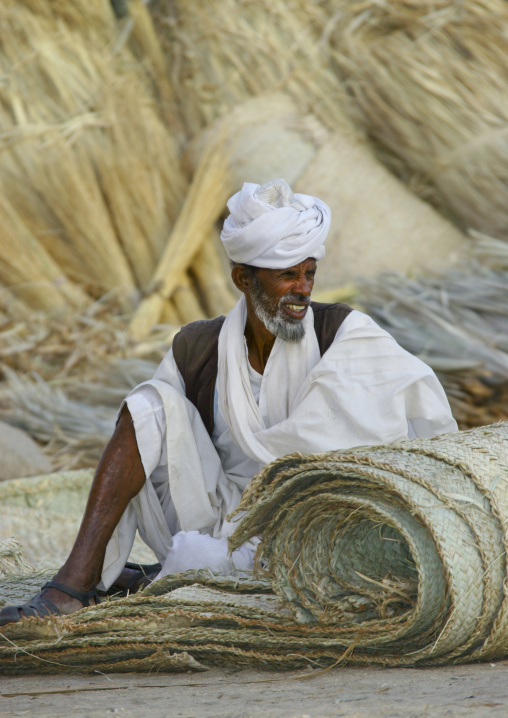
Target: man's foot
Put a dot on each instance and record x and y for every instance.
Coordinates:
(134, 577)
(53, 599)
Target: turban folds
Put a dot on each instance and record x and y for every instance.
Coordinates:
(273, 228)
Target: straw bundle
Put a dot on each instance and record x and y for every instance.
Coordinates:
(64, 377)
(378, 224)
(26, 265)
(223, 52)
(455, 321)
(390, 555)
(203, 205)
(428, 83)
(86, 159)
(210, 277)
(12, 560)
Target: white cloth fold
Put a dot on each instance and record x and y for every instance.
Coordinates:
(365, 390)
(271, 227)
(285, 374)
(192, 550)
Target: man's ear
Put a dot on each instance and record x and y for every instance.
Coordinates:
(241, 277)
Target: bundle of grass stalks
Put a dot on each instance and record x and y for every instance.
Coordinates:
(391, 555)
(223, 52)
(90, 173)
(457, 322)
(12, 560)
(203, 205)
(64, 377)
(428, 84)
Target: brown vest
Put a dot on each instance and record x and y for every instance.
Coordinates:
(195, 349)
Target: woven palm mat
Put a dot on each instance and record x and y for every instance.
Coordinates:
(392, 555)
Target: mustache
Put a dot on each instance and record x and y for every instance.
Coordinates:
(296, 298)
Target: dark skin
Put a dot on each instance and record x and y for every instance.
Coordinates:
(120, 474)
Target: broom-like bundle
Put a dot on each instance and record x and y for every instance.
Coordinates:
(147, 49)
(85, 156)
(29, 269)
(210, 278)
(204, 203)
(224, 51)
(428, 83)
(456, 321)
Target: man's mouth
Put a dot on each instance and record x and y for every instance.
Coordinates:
(295, 310)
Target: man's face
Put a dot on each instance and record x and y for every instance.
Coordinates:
(281, 297)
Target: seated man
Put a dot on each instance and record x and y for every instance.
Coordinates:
(277, 375)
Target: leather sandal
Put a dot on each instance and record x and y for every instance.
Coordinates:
(40, 607)
(142, 571)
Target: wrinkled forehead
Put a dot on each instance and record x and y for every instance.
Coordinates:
(309, 263)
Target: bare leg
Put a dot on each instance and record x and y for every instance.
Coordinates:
(119, 477)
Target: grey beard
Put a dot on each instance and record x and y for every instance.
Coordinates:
(274, 319)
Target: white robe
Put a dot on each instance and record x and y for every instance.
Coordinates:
(365, 390)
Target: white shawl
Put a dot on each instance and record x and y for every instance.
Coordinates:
(365, 390)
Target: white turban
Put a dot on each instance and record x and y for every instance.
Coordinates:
(271, 227)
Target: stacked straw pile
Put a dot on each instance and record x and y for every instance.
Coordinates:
(457, 322)
(65, 376)
(90, 176)
(391, 555)
(428, 84)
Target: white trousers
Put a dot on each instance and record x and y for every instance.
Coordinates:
(181, 519)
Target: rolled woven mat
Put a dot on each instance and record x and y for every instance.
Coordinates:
(400, 549)
(392, 555)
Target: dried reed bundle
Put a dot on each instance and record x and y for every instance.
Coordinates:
(456, 321)
(61, 347)
(203, 205)
(428, 84)
(29, 269)
(11, 558)
(169, 314)
(47, 414)
(186, 302)
(86, 156)
(210, 278)
(225, 51)
(68, 375)
(11, 306)
(91, 17)
(145, 45)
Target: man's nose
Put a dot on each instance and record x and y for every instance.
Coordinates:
(303, 286)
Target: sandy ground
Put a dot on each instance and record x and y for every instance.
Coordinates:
(475, 691)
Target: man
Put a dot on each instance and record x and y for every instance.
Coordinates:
(277, 375)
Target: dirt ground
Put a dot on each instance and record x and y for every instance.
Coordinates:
(475, 691)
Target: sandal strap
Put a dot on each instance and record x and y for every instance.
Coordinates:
(144, 567)
(83, 596)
